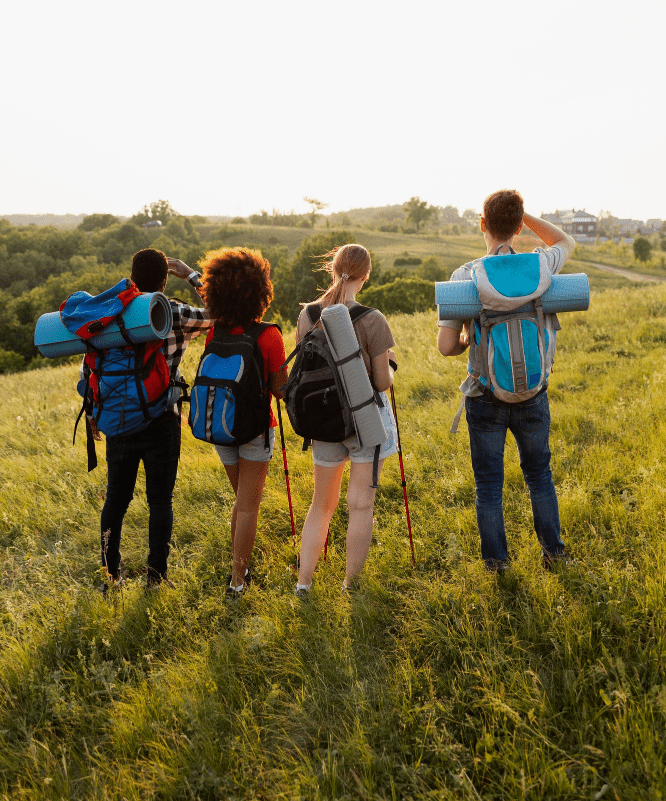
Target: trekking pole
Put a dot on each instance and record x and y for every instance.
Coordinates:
(402, 474)
(286, 475)
(326, 542)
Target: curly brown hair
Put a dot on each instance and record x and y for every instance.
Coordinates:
(503, 212)
(236, 285)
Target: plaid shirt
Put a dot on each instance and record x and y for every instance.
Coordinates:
(188, 322)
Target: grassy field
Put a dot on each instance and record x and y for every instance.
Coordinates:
(434, 681)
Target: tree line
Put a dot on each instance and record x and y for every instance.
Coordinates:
(40, 266)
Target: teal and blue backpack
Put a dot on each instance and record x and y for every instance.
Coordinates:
(515, 340)
(230, 404)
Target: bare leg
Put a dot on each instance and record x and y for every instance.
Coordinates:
(361, 502)
(249, 478)
(324, 502)
(232, 474)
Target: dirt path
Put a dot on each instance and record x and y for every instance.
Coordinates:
(628, 274)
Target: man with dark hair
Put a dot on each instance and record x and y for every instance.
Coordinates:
(489, 418)
(149, 270)
(158, 444)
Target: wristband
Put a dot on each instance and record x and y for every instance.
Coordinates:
(194, 279)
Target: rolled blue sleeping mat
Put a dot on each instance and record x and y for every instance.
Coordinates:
(147, 318)
(459, 300)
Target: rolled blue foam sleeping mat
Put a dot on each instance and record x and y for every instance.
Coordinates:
(147, 317)
(459, 300)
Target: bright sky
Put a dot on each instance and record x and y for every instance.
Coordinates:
(232, 107)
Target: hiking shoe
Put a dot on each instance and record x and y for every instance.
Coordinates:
(350, 588)
(154, 579)
(153, 582)
(302, 591)
(113, 584)
(549, 560)
(232, 592)
(247, 578)
(497, 566)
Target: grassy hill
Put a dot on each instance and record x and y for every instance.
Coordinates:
(435, 681)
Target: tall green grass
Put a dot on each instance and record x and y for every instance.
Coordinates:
(435, 681)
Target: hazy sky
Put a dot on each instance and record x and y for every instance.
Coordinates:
(233, 107)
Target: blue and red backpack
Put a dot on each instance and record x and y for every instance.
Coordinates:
(126, 387)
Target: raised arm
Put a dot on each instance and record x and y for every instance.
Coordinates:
(550, 234)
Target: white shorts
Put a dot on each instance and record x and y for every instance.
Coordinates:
(252, 451)
(332, 454)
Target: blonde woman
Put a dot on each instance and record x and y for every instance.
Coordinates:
(349, 267)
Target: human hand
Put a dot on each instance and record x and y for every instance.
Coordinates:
(178, 268)
(96, 435)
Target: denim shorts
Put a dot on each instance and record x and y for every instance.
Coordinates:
(332, 454)
(252, 451)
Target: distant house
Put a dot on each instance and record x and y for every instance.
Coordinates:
(555, 219)
(579, 223)
(652, 226)
(152, 224)
(626, 226)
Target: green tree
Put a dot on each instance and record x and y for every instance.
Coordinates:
(449, 215)
(296, 282)
(157, 210)
(607, 225)
(418, 211)
(97, 222)
(117, 243)
(432, 270)
(642, 249)
(402, 296)
(317, 205)
(11, 362)
(471, 218)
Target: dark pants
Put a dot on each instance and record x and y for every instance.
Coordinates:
(158, 446)
(529, 422)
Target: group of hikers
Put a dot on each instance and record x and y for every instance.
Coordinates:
(236, 292)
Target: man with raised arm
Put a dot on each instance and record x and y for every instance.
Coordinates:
(158, 444)
(488, 418)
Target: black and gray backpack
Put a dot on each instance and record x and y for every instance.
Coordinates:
(314, 396)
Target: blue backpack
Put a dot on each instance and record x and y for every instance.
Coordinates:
(229, 404)
(126, 387)
(514, 338)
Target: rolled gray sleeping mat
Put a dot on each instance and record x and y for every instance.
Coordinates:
(459, 300)
(341, 336)
(147, 318)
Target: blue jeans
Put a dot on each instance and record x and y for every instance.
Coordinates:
(158, 446)
(529, 422)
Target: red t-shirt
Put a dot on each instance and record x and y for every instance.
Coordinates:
(271, 345)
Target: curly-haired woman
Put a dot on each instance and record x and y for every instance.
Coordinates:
(237, 289)
(349, 267)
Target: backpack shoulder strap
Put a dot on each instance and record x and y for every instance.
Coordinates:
(356, 312)
(314, 312)
(257, 329)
